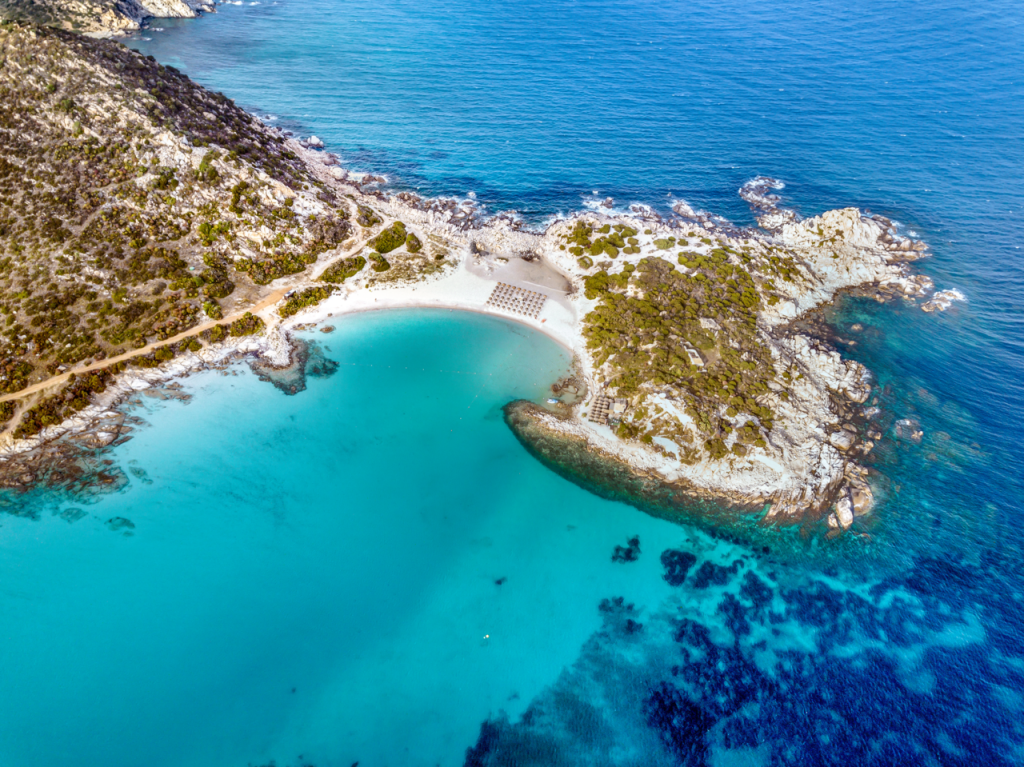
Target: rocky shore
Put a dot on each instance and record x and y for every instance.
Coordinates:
(101, 18)
(696, 366)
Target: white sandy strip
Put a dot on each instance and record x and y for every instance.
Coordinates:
(461, 290)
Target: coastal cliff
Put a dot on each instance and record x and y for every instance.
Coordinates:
(100, 17)
(150, 228)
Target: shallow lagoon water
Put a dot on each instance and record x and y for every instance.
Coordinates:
(320, 579)
(285, 543)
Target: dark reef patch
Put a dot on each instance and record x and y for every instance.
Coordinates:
(677, 564)
(836, 688)
(710, 574)
(68, 469)
(307, 360)
(628, 553)
(681, 723)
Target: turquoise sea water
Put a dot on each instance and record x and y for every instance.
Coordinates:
(296, 562)
(347, 542)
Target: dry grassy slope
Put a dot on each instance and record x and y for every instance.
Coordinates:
(133, 202)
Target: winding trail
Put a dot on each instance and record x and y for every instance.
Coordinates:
(265, 302)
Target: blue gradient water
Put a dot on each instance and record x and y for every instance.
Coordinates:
(340, 543)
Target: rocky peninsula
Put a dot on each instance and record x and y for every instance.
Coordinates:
(101, 18)
(149, 228)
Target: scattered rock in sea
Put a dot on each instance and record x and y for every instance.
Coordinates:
(628, 553)
(842, 517)
(909, 429)
(307, 359)
(942, 300)
(120, 523)
(72, 515)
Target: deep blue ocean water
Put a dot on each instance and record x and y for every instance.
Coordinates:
(347, 543)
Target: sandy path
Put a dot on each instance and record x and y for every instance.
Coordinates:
(267, 301)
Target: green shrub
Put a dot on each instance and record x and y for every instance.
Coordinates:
(380, 264)
(75, 395)
(340, 271)
(206, 172)
(413, 244)
(389, 239)
(585, 262)
(213, 310)
(209, 232)
(246, 325)
(219, 289)
(303, 298)
(367, 217)
(236, 197)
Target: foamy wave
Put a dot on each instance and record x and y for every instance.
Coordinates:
(943, 299)
(595, 202)
(759, 195)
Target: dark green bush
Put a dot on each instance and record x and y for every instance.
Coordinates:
(389, 239)
(247, 325)
(303, 298)
(343, 269)
(380, 264)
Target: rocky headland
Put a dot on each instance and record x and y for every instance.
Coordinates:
(101, 18)
(150, 228)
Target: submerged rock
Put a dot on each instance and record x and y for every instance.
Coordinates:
(628, 553)
(677, 565)
(307, 359)
(909, 429)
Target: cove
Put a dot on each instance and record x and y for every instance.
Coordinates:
(364, 571)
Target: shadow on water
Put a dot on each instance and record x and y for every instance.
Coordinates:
(609, 479)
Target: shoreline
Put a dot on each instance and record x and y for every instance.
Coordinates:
(680, 327)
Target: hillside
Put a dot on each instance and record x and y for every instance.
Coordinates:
(134, 204)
